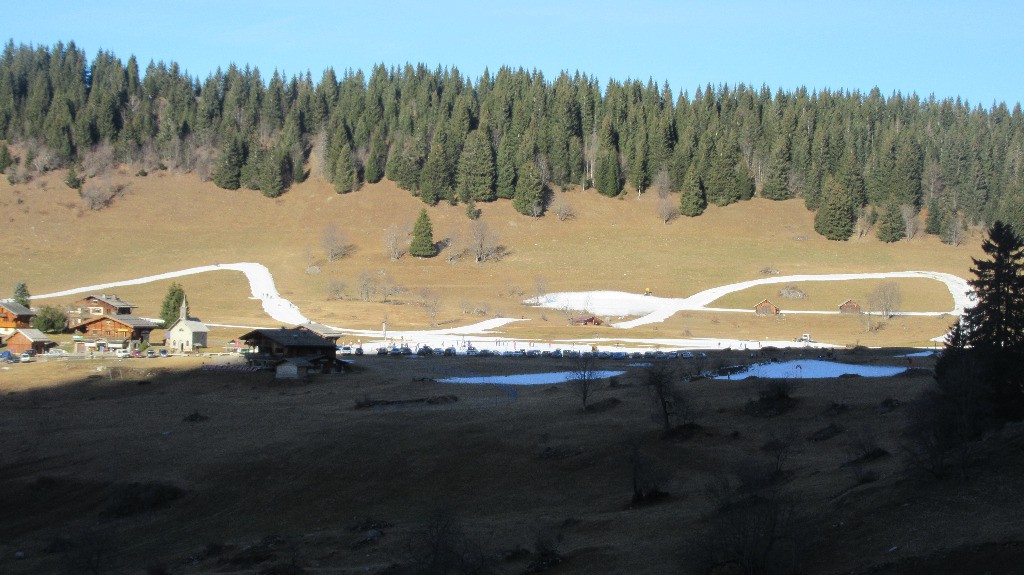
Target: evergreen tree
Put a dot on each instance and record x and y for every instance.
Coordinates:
(506, 169)
(228, 172)
(890, 223)
(476, 169)
(776, 181)
(170, 309)
(50, 319)
(273, 172)
(692, 201)
(836, 216)
(72, 180)
(608, 174)
(422, 245)
(529, 197)
(376, 159)
(5, 157)
(346, 179)
(21, 295)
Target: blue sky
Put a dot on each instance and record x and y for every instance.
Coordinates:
(969, 49)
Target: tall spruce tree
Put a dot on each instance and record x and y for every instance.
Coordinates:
(692, 201)
(228, 173)
(21, 295)
(836, 216)
(422, 245)
(475, 180)
(505, 185)
(170, 309)
(346, 179)
(529, 197)
(890, 224)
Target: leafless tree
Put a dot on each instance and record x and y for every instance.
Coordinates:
(394, 242)
(666, 211)
(100, 195)
(668, 403)
(388, 287)
(367, 286)
(98, 160)
(662, 183)
(540, 287)
(453, 248)
(911, 223)
(590, 155)
(335, 243)
(561, 207)
(483, 243)
(336, 289)
(431, 300)
(320, 151)
(886, 299)
(863, 224)
(584, 380)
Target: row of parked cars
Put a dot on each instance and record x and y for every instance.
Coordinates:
(554, 353)
(125, 353)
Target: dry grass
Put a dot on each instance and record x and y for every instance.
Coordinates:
(169, 221)
(296, 471)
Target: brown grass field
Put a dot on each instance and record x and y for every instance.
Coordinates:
(168, 221)
(160, 466)
(293, 476)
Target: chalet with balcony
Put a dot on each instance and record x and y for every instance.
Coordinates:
(14, 316)
(292, 353)
(97, 305)
(29, 339)
(123, 331)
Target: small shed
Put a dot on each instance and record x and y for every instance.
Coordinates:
(766, 307)
(293, 368)
(588, 320)
(26, 339)
(849, 306)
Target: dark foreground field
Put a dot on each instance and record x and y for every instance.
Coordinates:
(153, 468)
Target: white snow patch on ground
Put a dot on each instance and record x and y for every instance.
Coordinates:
(654, 309)
(813, 369)
(530, 378)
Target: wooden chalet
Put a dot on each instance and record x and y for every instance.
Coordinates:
(28, 338)
(849, 306)
(323, 331)
(112, 331)
(765, 307)
(96, 305)
(290, 352)
(14, 316)
(588, 320)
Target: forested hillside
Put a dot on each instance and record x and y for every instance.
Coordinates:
(866, 163)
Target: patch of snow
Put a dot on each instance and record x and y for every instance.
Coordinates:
(529, 378)
(813, 369)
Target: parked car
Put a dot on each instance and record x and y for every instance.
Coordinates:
(533, 353)
(359, 351)
(470, 350)
(27, 356)
(150, 352)
(424, 350)
(163, 353)
(382, 351)
(449, 351)
(135, 353)
(56, 351)
(7, 357)
(121, 353)
(345, 350)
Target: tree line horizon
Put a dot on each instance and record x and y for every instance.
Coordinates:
(862, 162)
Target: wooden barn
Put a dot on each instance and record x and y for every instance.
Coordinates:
(14, 316)
(588, 320)
(849, 306)
(766, 307)
(96, 305)
(28, 338)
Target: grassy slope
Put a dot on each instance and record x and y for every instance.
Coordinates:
(168, 221)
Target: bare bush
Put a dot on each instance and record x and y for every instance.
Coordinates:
(388, 287)
(954, 232)
(662, 184)
(336, 290)
(430, 300)
(886, 299)
(367, 285)
(584, 380)
(99, 160)
(442, 547)
(667, 402)
(911, 223)
(335, 243)
(394, 242)
(666, 211)
(763, 535)
(97, 196)
(792, 292)
(561, 207)
(483, 243)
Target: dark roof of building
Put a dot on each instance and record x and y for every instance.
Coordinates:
(322, 330)
(129, 320)
(289, 337)
(193, 325)
(112, 300)
(16, 308)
